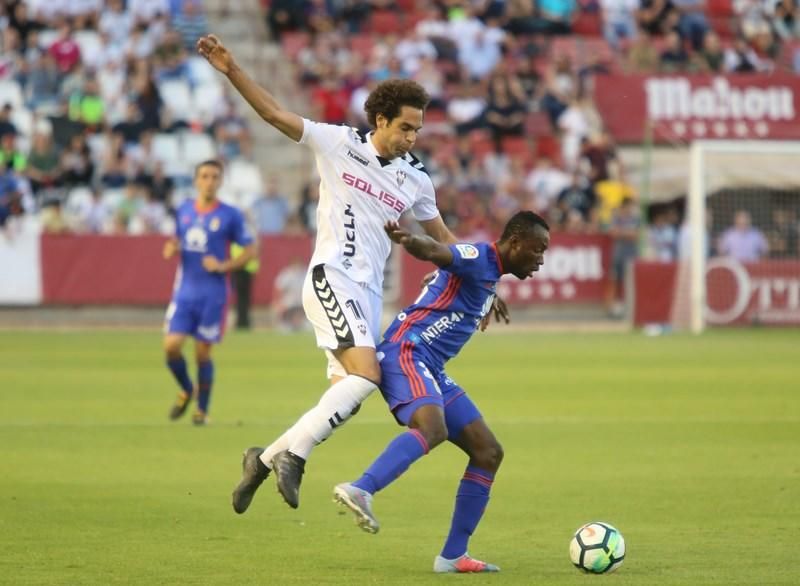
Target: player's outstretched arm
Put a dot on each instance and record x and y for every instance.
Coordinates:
(289, 123)
(438, 230)
(422, 247)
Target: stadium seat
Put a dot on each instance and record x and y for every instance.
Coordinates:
(725, 26)
(205, 101)
(588, 24)
(537, 124)
(89, 42)
(201, 71)
(11, 93)
(245, 177)
(385, 22)
(197, 147)
(78, 199)
(720, 8)
(518, 147)
(22, 118)
(362, 44)
(177, 97)
(47, 37)
(294, 42)
(167, 149)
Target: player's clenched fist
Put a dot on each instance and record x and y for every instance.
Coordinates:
(212, 49)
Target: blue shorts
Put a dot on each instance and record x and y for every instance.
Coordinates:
(203, 318)
(407, 384)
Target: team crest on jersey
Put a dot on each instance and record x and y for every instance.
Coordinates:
(363, 329)
(467, 251)
(401, 177)
(196, 239)
(213, 225)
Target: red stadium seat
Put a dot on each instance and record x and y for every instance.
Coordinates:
(724, 26)
(480, 143)
(385, 22)
(519, 148)
(362, 44)
(716, 8)
(588, 24)
(537, 124)
(294, 42)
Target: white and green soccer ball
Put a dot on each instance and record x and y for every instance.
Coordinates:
(597, 548)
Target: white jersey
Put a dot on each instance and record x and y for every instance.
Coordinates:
(359, 191)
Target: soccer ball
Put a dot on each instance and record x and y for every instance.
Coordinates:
(597, 547)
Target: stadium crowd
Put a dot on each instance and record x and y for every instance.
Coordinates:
(101, 119)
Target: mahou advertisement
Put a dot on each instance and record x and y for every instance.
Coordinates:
(742, 106)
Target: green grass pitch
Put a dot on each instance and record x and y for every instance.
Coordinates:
(690, 446)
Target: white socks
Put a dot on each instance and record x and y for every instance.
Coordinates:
(334, 408)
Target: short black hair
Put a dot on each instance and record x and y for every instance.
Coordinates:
(208, 163)
(391, 95)
(522, 224)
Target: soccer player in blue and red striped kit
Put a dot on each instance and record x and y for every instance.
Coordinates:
(421, 396)
(205, 228)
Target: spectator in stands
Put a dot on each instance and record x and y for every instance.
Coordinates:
(190, 23)
(20, 21)
(710, 58)
(624, 232)
(619, 20)
(271, 210)
(287, 295)
(784, 234)
(465, 110)
(10, 194)
(114, 165)
(577, 197)
(685, 237)
(76, 162)
(543, 185)
(742, 241)
(599, 155)
(412, 49)
(560, 87)
(505, 112)
(150, 216)
(65, 50)
(127, 209)
(43, 83)
(692, 24)
(132, 127)
(43, 163)
(6, 125)
(786, 19)
(87, 106)
(662, 235)
(657, 17)
(574, 126)
(330, 98)
(150, 103)
(94, 217)
(116, 22)
(642, 55)
(741, 58)
(307, 210)
(170, 60)
(146, 11)
(674, 58)
(430, 77)
(52, 218)
(555, 16)
(142, 159)
(10, 155)
(285, 16)
(481, 55)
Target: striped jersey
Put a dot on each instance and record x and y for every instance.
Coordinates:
(359, 191)
(451, 306)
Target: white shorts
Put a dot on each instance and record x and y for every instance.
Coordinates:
(343, 313)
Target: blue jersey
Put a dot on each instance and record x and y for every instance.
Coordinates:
(205, 233)
(450, 308)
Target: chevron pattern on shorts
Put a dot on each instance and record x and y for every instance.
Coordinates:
(332, 308)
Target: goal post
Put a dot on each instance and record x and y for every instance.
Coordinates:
(769, 172)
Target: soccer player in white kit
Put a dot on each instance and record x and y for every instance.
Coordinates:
(366, 179)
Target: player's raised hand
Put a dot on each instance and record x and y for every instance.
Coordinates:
(212, 49)
(396, 233)
(170, 248)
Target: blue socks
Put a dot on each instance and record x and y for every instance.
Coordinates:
(471, 500)
(178, 369)
(205, 378)
(403, 451)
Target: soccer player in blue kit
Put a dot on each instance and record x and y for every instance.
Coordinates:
(205, 227)
(421, 396)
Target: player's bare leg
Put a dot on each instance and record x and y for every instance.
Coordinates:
(173, 344)
(340, 402)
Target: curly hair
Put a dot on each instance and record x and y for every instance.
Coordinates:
(391, 95)
(522, 224)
